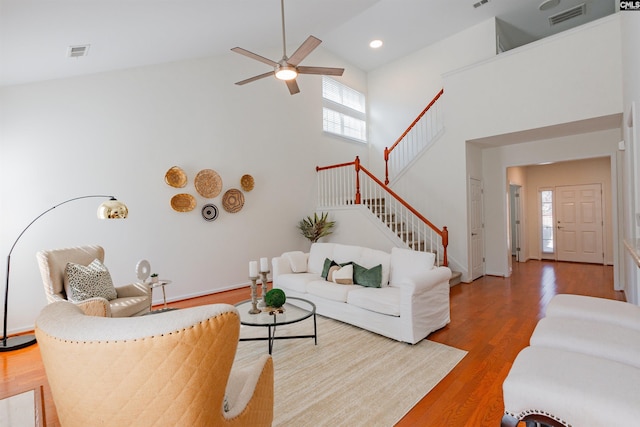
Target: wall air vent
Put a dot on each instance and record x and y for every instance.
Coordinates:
(78, 51)
(574, 12)
(480, 3)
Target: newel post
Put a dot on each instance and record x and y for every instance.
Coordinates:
(445, 243)
(386, 165)
(357, 165)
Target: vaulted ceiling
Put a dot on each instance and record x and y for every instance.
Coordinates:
(35, 35)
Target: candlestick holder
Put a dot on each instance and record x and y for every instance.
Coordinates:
(254, 296)
(265, 288)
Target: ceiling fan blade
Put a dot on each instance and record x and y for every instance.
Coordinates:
(255, 56)
(305, 49)
(254, 78)
(328, 71)
(293, 86)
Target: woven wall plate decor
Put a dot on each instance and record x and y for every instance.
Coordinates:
(209, 212)
(175, 177)
(208, 183)
(183, 202)
(247, 182)
(233, 200)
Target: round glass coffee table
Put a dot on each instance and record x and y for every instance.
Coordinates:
(297, 311)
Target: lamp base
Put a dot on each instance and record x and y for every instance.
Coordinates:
(15, 343)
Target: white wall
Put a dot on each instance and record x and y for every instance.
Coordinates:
(119, 132)
(631, 156)
(542, 84)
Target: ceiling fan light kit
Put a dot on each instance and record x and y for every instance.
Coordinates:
(286, 72)
(287, 68)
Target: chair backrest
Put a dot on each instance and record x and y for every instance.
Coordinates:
(168, 369)
(53, 263)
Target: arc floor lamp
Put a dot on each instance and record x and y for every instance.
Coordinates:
(110, 209)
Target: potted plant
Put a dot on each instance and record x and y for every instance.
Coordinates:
(316, 227)
(154, 278)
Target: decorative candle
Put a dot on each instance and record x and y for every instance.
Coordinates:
(253, 268)
(264, 265)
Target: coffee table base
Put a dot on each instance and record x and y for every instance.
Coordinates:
(272, 335)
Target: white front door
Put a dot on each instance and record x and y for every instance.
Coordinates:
(476, 229)
(579, 223)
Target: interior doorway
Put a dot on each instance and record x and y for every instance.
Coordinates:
(515, 210)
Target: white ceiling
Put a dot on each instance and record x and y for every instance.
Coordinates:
(36, 34)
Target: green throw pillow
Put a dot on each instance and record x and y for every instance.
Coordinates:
(371, 277)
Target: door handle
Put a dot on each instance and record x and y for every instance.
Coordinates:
(560, 227)
(474, 234)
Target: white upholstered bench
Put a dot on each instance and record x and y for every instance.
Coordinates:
(582, 366)
(565, 388)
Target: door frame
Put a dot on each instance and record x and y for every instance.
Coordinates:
(471, 183)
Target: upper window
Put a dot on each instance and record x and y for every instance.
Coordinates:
(343, 111)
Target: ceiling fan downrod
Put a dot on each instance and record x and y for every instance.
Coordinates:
(284, 40)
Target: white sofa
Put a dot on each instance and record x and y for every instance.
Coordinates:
(411, 302)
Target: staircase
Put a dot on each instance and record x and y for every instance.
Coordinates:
(338, 186)
(407, 235)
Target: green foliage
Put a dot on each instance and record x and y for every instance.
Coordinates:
(275, 298)
(316, 227)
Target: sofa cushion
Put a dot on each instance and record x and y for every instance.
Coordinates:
(297, 261)
(408, 263)
(343, 275)
(83, 282)
(296, 281)
(347, 253)
(330, 290)
(369, 277)
(318, 253)
(384, 300)
(372, 257)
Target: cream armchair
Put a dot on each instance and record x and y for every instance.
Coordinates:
(169, 369)
(132, 300)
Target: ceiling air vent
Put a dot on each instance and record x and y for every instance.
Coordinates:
(574, 12)
(78, 51)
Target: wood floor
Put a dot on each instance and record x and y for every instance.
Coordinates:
(491, 318)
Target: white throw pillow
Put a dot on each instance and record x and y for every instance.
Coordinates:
(84, 282)
(344, 275)
(297, 261)
(408, 263)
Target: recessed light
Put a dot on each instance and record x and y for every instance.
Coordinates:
(375, 44)
(548, 4)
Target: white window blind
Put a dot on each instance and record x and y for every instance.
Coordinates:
(344, 111)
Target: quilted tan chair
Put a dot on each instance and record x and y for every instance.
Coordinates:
(132, 300)
(168, 369)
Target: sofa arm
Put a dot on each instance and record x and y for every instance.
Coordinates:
(424, 303)
(424, 282)
(280, 265)
(134, 290)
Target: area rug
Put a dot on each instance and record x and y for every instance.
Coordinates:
(351, 378)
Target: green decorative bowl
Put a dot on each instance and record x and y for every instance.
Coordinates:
(275, 298)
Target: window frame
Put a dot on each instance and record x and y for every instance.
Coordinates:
(345, 113)
(543, 251)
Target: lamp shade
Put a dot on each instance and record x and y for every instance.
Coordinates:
(113, 209)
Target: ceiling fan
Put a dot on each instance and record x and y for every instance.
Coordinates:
(287, 69)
